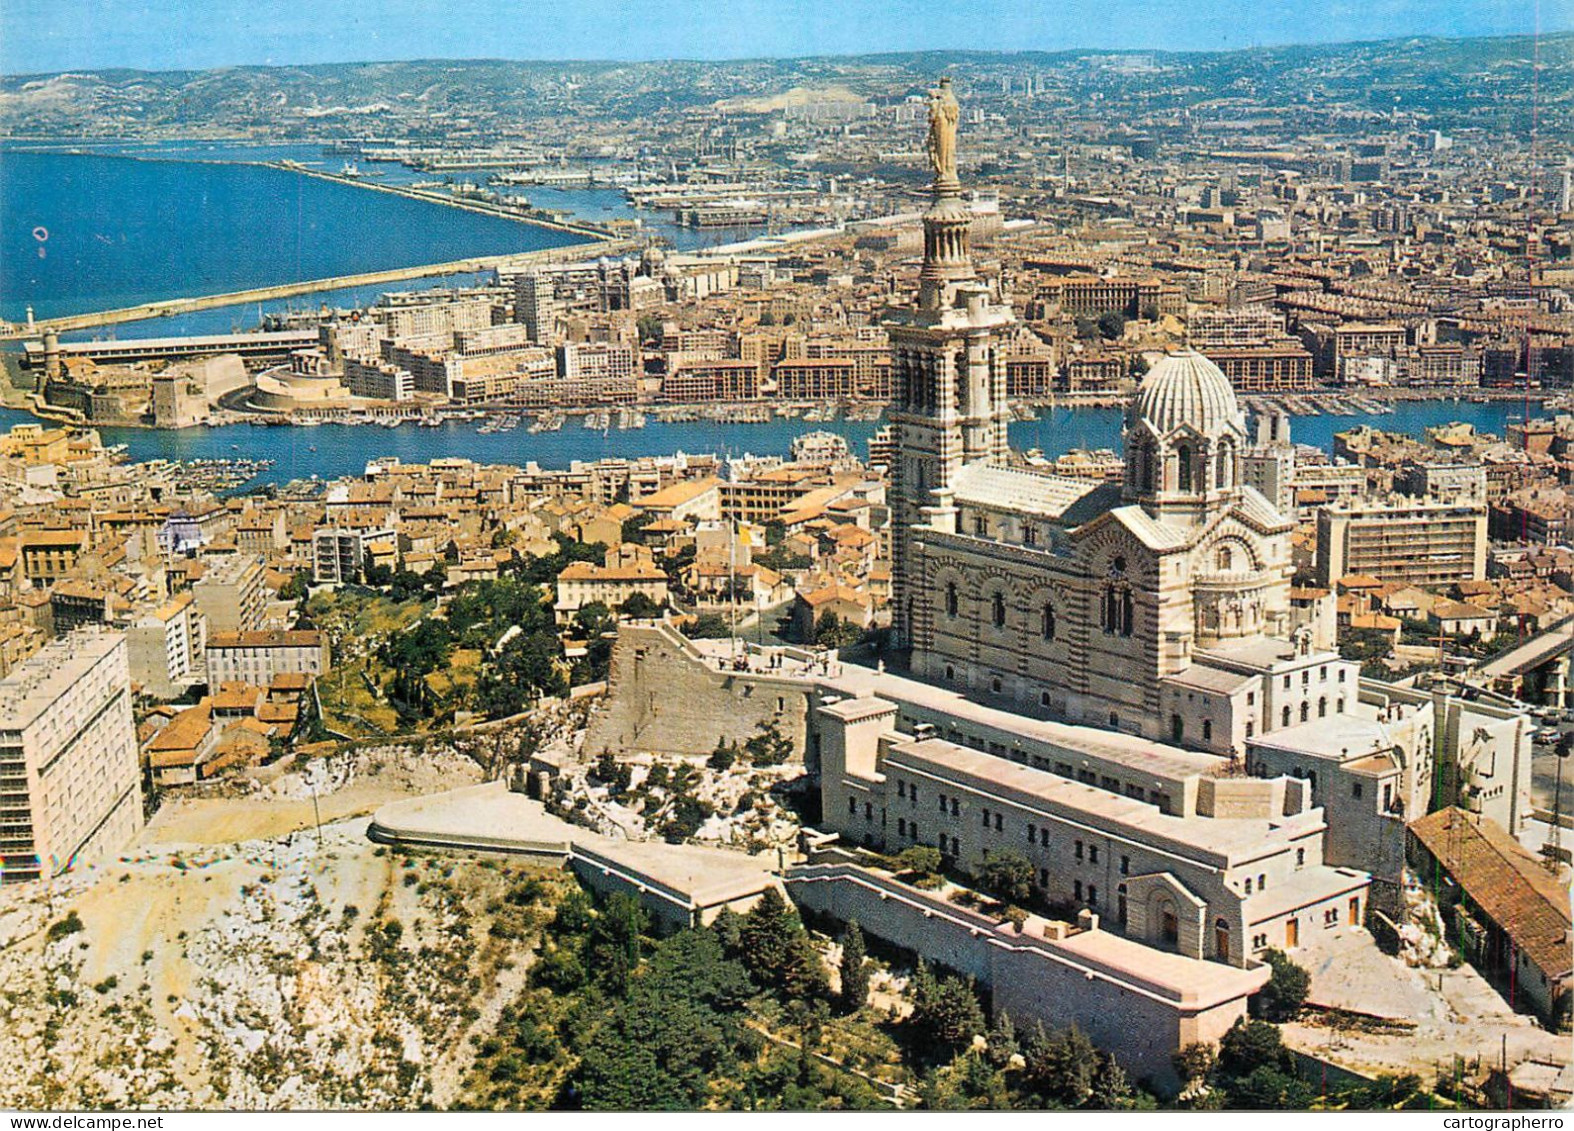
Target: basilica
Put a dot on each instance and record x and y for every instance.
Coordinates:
(1094, 603)
(1160, 606)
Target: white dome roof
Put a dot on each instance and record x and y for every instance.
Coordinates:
(1184, 389)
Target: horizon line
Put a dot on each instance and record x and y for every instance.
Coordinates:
(1538, 35)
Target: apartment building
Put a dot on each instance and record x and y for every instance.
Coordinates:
(339, 554)
(1420, 541)
(257, 657)
(165, 646)
(70, 780)
(231, 594)
(710, 381)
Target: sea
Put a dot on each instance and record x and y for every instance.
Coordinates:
(96, 226)
(120, 223)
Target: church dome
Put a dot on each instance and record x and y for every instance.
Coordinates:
(1186, 389)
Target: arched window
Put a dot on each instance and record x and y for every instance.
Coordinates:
(1226, 466)
(998, 611)
(1285, 716)
(1300, 857)
(950, 599)
(1306, 711)
(1117, 609)
(1046, 621)
(1322, 707)
(1224, 560)
(1183, 460)
(1221, 938)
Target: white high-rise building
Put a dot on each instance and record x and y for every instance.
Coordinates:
(70, 778)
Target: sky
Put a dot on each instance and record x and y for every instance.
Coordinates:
(42, 36)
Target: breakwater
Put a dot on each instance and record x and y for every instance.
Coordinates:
(166, 307)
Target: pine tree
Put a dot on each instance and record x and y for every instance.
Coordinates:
(855, 975)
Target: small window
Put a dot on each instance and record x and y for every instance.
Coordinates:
(1248, 885)
(1125, 865)
(1076, 888)
(1078, 850)
(1032, 832)
(1207, 730)
(1357, 788)
(999, 610)
(1300, 857)
(1262, 883)
(999, 823)
(985, 815)
(995, 685)
(901, 789)
(868, 811)
(1093, 854)
(901, 826)
(852, 807)
(1093, 895)
(950, 599)
(1043, 698)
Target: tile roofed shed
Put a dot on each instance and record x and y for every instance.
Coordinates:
(1505, 881)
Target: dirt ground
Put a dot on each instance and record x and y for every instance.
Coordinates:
(1453, 1012)
(233, 957)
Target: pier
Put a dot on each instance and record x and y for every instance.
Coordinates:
(485, 208)
(166, 307)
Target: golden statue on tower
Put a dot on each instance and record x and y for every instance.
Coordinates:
(943, 115)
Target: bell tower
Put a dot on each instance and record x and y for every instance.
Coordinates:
(949, 381)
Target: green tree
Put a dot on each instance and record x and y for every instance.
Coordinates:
(777, 951)
(639, 606)
(1007, 874)
(297, 587)
(676, 1030)
(1061, 1067)
(768, 746)
(613, 945)
(921, 858)
(946, 1012)
(1249, 1045)
(1194, 1063)
(707, 626)
(854, 972)
(684, 819)
(833, 632)
(649, 326)
(722, 758)
(1268, 1089)
(1112, 324)
(1281, 999)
